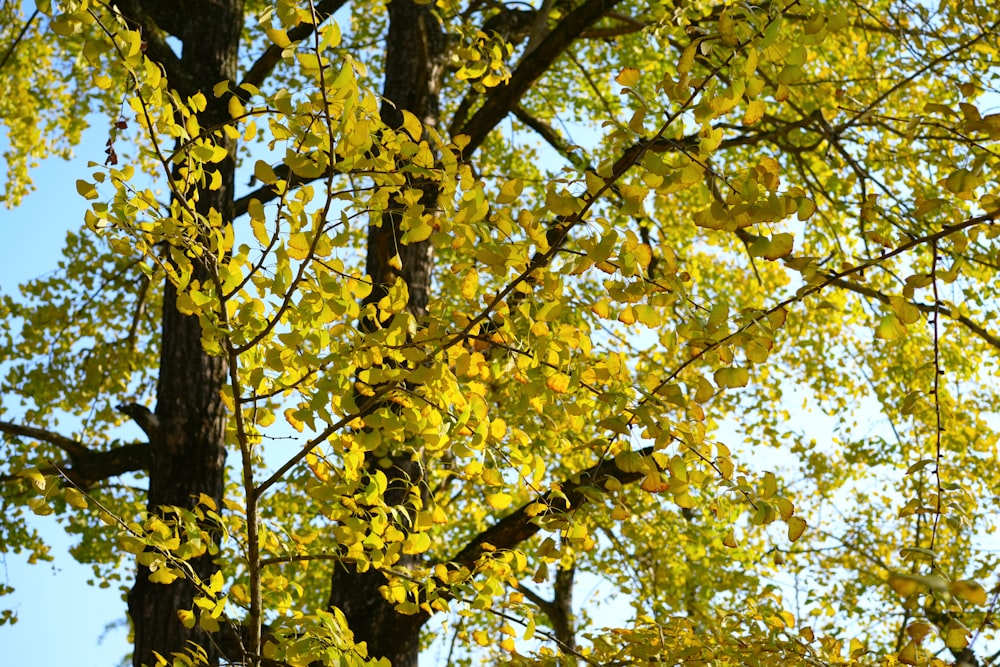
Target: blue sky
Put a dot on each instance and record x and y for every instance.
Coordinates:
(61, 620)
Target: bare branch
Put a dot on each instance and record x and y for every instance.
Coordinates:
(87, 466)
(68, 445)
(626, 26)
(94, 466)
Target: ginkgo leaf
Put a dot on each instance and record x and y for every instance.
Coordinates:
(559, 383)
(754, 112)
(970, 591)
(499, 501)
(732, 377)
(418, 543)
(730, 540)
(628, 76)
(890, 328)
(911, 654)
(796, 526)
(75, 498)
(163, 576)
(956, 635)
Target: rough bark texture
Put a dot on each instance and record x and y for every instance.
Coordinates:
(187, 451)
(415, 46)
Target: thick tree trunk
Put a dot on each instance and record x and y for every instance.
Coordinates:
(188, 458)
(415, 47)
(187, 450)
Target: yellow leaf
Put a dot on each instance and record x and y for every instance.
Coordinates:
(770, 485)
(240, 594)
(298, 246)
(216, 582)
(412, 125)
(754, 112)
(86, 190)
(805, 208)
(628, 76)
(904, 310)
(470, 285)
(905, 586)
(416, 543)
(653, 482)
(35, 476)
(732, 377)
(278, 36)
(918, 630)
(294, 421)
(186, 617)
(796, 526)
(910, 655)
(890, 328)
(776, 247)
(499, 501)
(781, 245)
(236, 109)
(163, 576)
(207, 622)
(263, 172)
(970, 591)
(510, 191)
(956, 635)
(75, 498)
(559, 383)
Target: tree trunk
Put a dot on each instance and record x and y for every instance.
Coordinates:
(415, 47)
(187, 450)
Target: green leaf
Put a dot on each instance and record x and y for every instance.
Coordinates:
(732, 377)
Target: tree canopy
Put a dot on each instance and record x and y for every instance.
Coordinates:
(433, 313)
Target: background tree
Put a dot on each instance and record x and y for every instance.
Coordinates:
(505, 281)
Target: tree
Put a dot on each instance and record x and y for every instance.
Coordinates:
(516, 292)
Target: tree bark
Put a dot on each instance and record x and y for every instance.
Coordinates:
(187, 451)
(415, 47)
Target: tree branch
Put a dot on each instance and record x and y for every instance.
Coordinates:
(93, 466)
(872, 293)
(552, 138)
(499, 101)
(155, 36)
(87, 466)
(519, 525)
(20, 36)
(268, 60)
(68, 445)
